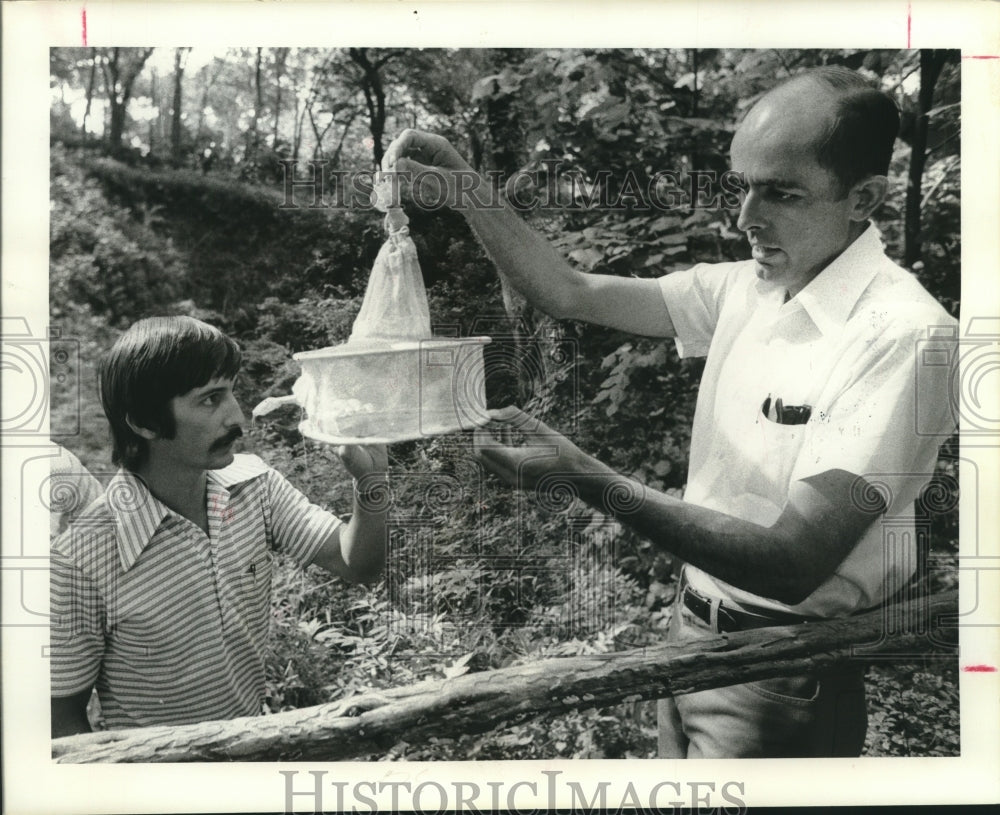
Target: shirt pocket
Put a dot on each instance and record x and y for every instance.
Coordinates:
(255, 585)
(778, 451)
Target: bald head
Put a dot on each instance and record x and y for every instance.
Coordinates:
(832, 114)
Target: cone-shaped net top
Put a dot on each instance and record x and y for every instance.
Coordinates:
(395, 303)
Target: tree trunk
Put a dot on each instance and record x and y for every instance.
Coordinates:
(211, 79)
(931, 63)
(479, 702)
(318, 146)
(374, 93)
(91, 80)
(280, 56)
(119, 76)
(154, 123)
(695, 154)
(297, 136)
(175, 114)
(335, 159)
(254, 136)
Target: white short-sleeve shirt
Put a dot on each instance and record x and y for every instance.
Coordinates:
(862, 346)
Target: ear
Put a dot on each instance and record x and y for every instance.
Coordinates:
(141, 432)
(866, 195)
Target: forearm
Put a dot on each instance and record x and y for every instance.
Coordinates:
(532, 266)
(523, 255)
(758, 559)
(363, 541)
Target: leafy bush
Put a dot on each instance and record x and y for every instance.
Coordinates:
(105, 256)
(913, 712)
(241, 243)
(308, 322)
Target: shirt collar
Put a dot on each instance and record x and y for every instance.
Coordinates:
(830, 297)
(243, 468)
(138, 513)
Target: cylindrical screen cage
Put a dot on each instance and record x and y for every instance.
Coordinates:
(392, 380)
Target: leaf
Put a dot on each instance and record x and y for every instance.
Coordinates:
(610, 113)
(672, 239)
(610, 359)
(587, 258)
(459, 666)
(654, 260)
(663, 223)
(310, 627)
(506, 82)
(688, 80)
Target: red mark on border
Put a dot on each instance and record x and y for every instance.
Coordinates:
(979, 669)
(909, 23)
(980, 56)
(83, 19)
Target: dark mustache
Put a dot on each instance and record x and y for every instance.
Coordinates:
(231, 436)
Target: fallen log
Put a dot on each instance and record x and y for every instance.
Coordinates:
(479, 702)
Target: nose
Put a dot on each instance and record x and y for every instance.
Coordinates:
(751, 216)
(234, 414)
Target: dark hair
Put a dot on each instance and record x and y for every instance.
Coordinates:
(865, 123)
(151, 363)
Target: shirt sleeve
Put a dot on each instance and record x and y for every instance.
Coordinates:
(298, 526)
(76, 627)
(892, 412)
(694, 298)
(71, 489)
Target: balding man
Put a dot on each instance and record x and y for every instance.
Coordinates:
(808, 397)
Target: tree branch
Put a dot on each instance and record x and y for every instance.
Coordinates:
(479, 702)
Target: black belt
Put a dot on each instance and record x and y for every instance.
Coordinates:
(735, 619)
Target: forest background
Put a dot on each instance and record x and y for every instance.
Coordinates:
(171, 192)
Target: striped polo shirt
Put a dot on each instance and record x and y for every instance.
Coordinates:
(170, 623)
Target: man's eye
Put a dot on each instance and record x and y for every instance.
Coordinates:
(211, 400)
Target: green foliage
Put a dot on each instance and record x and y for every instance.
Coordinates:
(242, 243)
(110, 258)
(913, 712)
(74, 408)
(308, 323)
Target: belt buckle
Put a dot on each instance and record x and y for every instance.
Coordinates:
(707, 609)
(720, 619)
(714, 607)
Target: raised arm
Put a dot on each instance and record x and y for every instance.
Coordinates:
(523, 255)
(355, 551)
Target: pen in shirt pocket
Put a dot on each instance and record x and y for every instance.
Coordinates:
(777, 411)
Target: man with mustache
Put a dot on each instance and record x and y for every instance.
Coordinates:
(160, 590)
(810, 395)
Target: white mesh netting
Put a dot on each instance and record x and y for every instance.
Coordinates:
(392, 380)
(395, 302)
